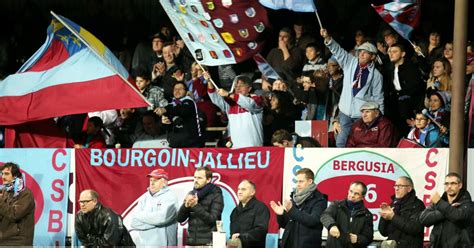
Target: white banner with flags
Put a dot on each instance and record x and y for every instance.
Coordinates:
(336, 168)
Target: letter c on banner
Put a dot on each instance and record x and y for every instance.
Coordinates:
(428, 155)
(56, 165)
(295, 156)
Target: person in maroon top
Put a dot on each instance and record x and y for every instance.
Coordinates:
(372, 130)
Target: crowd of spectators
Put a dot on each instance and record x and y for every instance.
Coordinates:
(378, 84)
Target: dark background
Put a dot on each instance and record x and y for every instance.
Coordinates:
(121, 24)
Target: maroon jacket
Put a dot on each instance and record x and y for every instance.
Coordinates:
(380, 133)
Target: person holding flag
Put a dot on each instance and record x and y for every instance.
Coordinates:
(362, 84)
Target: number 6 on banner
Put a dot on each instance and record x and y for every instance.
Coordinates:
(371, 195)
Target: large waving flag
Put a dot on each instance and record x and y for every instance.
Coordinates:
(219, 32)
(73, 72)
(295, 5)
(401, 15)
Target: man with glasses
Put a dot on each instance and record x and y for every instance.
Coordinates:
(97, 225)
(400, 220)
(349, 222)
(450, 214)
(17, 208)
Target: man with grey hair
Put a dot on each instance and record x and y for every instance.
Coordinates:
(449, 214)
(362, 83)
(97, 225)
(400, 220)
(244, 110)
(372, 129)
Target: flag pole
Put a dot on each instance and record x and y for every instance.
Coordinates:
(414, 47)
(210, 79)
(317, 16)
(100, 57)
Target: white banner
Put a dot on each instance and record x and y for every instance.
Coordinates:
(336, 168)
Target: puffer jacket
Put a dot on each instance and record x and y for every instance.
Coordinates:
(405, 227)
(302, 224)
(102, 227)
(17, 218)
(451, 221)
(337, 214)
(202, 217)
(251, 222)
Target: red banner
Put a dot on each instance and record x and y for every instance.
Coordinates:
(119, 175)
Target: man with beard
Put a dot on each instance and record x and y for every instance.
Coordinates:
(300, 215)
(17, 208)
(249, 219)
(202, 207)
(450, 214)
(400, 221)
(349, 222)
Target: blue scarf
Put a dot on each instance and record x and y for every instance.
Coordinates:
(17, 186)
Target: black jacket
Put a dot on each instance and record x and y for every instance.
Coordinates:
(185, 129)
(202, 217)
(251, 222)
(405, 227)
(451, 221)
(102, 227)
(338, 214)
(301, 224)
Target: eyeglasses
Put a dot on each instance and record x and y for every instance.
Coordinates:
(397, 186)
(83, 202)
(450, 183)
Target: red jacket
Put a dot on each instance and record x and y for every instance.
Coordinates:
(381, 133)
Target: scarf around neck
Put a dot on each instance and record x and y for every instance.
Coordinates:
(202, 192)
(300, 197)
(17, 186)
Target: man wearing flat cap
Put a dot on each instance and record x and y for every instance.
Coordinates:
(154, 220)
(372, 129)
(362, 83)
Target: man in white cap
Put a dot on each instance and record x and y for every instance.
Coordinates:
(372, 129)
(154, 220)
(362, 83)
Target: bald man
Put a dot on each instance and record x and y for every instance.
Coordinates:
(97, 225)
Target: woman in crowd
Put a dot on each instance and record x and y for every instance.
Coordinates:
(440, 76)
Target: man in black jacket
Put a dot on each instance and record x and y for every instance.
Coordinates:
(450, 215)
(97, 225)
(349, 222)
(300, 215)
(403, 88)
(202, 207)
(249, 220)
(400, 221)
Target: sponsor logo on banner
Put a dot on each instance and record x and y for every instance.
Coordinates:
(237, 51)
(201, 38)
(207, 16)
(204, 23)
(182, 9)
(194, 9)
(252, 45)
(227, 53)
(199, 55)
(214, 37)
(213, 54)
